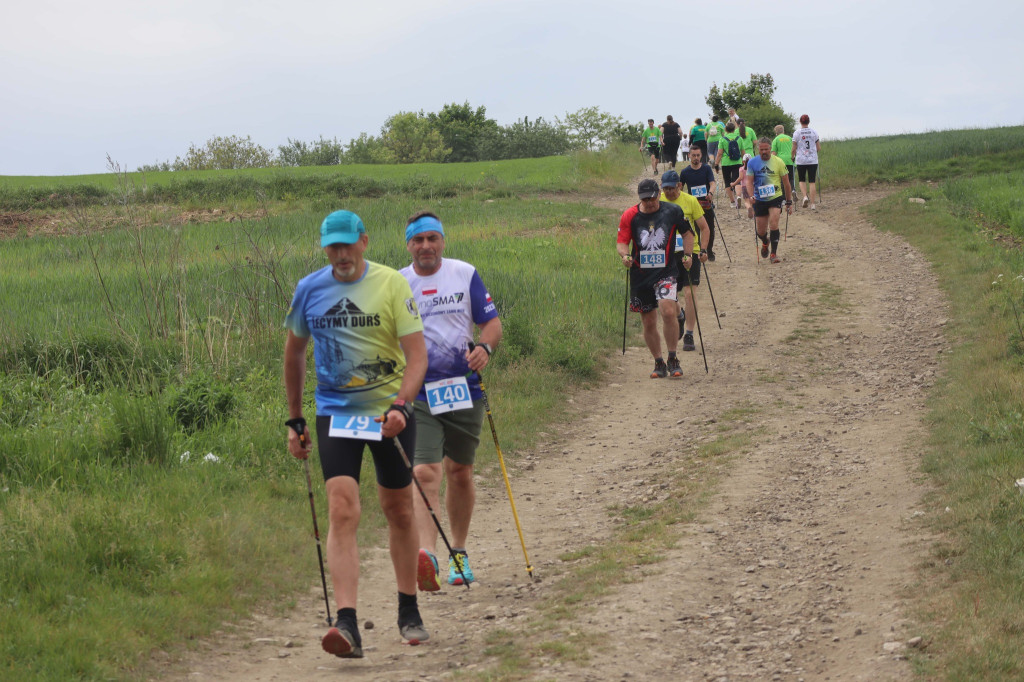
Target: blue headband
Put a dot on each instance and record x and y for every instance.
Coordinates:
(423, 224)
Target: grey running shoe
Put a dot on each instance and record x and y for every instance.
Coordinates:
(660, 370)
(674, 370)
(342, 642)
(410, 625)
(688, 341)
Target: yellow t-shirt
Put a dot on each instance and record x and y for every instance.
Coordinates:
(691, 211)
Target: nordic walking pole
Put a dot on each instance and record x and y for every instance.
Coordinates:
(625, 309)
(707, 278)
(504, 472)
(696, 318)
(451, 552)
(298, 425)
(721, 236)
(786, 237)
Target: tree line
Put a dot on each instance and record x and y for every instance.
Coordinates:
(460, 132)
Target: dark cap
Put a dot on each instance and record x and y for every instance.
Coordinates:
(805, 119)
(648, 189)
(669, 178)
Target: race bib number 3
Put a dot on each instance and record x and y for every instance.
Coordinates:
(448, 395)
(652, 259)
(354, 426)
(766, 191)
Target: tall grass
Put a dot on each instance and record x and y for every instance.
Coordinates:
(921, 156)
(994, 198)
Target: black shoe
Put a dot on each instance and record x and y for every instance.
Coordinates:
(660, 370)
(688, 341)
(764, 250)
(410, 625)
(674, 370)
(343, 641)
(711, 256)
(682, 321)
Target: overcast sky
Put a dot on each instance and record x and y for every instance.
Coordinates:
(142, 81)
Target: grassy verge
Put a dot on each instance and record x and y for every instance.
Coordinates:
(975, 596)
(921, 156)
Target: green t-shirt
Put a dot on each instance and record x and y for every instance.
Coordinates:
(748, 143)
(714, 130)
(651, 137)
(723, 146)
(697, 133)
(782, 145)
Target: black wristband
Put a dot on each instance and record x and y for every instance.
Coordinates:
(403, 407)
(487, 348)
(298, 425)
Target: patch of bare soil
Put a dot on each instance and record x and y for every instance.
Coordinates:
(797, 566)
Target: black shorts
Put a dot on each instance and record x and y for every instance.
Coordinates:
(644, 297)
(761, 207)
(694, 273)
(653, 150)
(671, 150)
(344, 456)
(730, 174)
(808, 172)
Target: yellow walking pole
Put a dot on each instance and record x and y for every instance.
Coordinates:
(504, 472)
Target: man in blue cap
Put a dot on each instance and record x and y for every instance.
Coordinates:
(449, 408)
(370, 361)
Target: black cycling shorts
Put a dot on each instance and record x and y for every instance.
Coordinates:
(344, 456)
(808, 172)
(761, 207)
(730, 174)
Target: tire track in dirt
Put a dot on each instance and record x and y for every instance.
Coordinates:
(795, 567)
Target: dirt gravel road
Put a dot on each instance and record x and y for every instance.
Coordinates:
(799, 558)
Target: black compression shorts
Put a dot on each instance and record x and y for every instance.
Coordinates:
(808, 172)
(344, 456)
(731, 174)
(761, 207)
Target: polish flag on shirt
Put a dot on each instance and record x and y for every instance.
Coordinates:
(429, 292)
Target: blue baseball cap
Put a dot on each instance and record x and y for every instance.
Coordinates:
(669, 179)
(341, 227)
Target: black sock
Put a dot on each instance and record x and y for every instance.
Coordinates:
(764, 239)
(775, 240)
(659, 359)
(347, 616)
(671, 355)
(407, 608)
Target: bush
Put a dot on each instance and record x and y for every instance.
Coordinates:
(202, 400)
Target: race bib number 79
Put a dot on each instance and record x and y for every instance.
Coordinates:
(355, 426)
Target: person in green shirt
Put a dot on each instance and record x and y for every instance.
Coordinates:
(730, 158)
(782, 147)
(714, 135)
(652, 140)
(697, 133)
(748, 138)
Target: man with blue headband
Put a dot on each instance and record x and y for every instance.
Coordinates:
(449, 409)
(370, 360)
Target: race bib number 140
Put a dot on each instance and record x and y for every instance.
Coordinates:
(448, 395)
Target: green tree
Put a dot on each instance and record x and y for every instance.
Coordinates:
(590, 128)
(409, 137)
(320, 153)
(365, 149)
(225, 153)
(753, 101)
(462, 128)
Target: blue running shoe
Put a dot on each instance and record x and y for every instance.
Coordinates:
(454, 577)
(426, 572)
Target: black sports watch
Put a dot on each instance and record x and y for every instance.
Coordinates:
(403, 407)
(487, 347)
